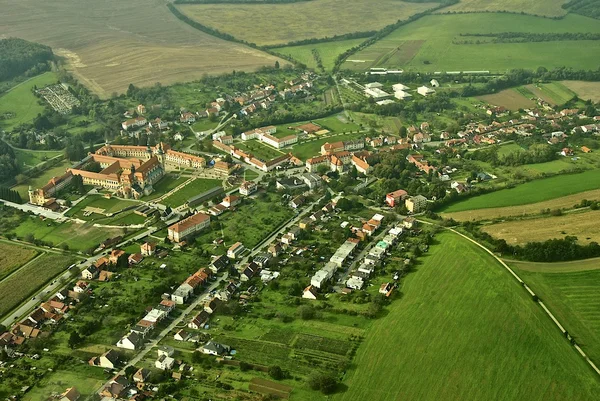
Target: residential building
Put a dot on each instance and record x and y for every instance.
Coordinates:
(416, 204)
(236, 250)
(425, 91)
(213, 348)
(248, 188)
(396, 197)
(188, 226)
(148, 249)
(310, 292)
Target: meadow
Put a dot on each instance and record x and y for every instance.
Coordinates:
(13, 256)
(464, 329)
(20, 102)
(108, 45)
(585, 90)
(192, 189)
(328, 51)
(553, 93)
(571, 290)
(546, 8)
(29, 158)
(427, 45)
(259, 150)
(583, 225)
(302, 20)
(42, 179)
(27, 280)
(112, 205)
(166, 184)
(530, 192)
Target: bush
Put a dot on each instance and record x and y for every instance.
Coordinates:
(325, 383)
(245, 366)
(276, 373)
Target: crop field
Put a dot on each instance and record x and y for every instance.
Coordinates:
(12, 257)
(438, 35)
(110, 44)
(462, 318)
(20, 285)
(329, 51)
(509, 98)
(546, 8)
(529, 209)
(312, 147)
(259, 150)
(582, 225)
(42, 179)
(531, 192)
(19, 104)
(192, 189)
(303, 20)
(554, 93)
(78, 237)
(585, 90)
(572, 293)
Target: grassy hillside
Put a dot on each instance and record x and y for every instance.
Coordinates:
(329, 51)
(20, 104)
(572, 294)
(531, 192)
(302, 20)
(427, 44)
(465, 330)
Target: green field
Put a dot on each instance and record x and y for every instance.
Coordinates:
(548, 8)
(166, 184)
(112, 205)
(204, 124)
(573, 296)
(22, 103)
(86, 380)
(531, 192)
(312, 147)
(554, 93)
(194, 188)
(29, 158)
(328, 51)
(259, 150)
(13, 256)
(22, 284)
(42, 179)
(464, 329)
(427, 45)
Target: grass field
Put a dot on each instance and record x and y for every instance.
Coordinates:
(547, 8)
(585, 90)
(312, 147)
(572, 292)
(112, 205)
(554, 93)
(583, 225)
(22, 284)
(204, 125)
(328, 51)
(532, 208)
(509, 98)
(166, 184)
(85, 378)
(21, 103)
(434, 36)
(531, 192)
(42, 179)
(30, 158)
(144, 42)
(259, 150)
(303, 20)
(465, 330)
(194, 188)
(12, 257)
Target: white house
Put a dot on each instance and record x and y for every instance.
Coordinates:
(131, 341)
(434, 83)
(309, 293)
(164, 362)
(425, 91)
(213, 348)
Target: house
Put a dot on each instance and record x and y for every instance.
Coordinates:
(116, 256)
(385, 288)
(143, 327)
(117, 388)
(566, 152)
(70, 394)
(355, 283)
(164, 362)
(181, 335)
(187, 117)
(105, 275)
(262, 259)
(310, 292)
(297, 201)
(90, 273)
(131, 341)
(425, 91)
(219, 263)
(142, 375)
(585, 149)
(409, 222)
(109, 360)
(141, 109)
(289, 183)
(312, 180)
(416, 204)
(148, 249)
(212, 305)
(165, 350)
(249, 271)
(236, 250)
(275, 249)
(199, 320)
(305, 223)
(434, 83)
(248, 188)
(231, 201)
(135, 258)
(188, 226)
(213, 348)
(394, 198)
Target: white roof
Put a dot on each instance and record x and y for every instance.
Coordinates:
(377, 217)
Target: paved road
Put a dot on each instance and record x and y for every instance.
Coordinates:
(38, 211)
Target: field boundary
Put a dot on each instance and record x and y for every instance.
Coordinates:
(528, 289)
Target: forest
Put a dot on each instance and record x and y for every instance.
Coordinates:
(17, 56)
(9, 167)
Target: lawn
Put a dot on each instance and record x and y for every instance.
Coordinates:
(204, 124)
(29, 158)
(27, 280)
(302, 20)
(21, 103)
(432, 44)
(167, 183)
(572, 292)
(531, 192)
(13, 256)
(259, 150)
(196, 187)
(328, 51)
(42, 179)
(582, 225)
(464, 329)
(85, 378)
(78, 237)
(112, 205)
(337, 123)
(547, 8)
(312, 147)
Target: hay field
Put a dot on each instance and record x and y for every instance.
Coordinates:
(585, 90)
(271, 24)
(573, 296)
(464, 329)
(509, 98)
(546, 8)
(439, 38)
(583, 225)
(532, 208)
(110, 44)
(13, 256)
(554, 93)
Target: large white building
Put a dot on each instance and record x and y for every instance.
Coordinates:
(188, 226)
(425, 91)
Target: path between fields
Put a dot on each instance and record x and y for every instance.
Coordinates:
(511, 271)
(572, 266)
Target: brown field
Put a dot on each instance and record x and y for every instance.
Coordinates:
(547, 8)
(532, 208)
(583, 225)
(304, 20)
(402, 54)
(109, 44)
(509, 98)
(556, 267)
(12, 257)
(585, 90)
(269, 387)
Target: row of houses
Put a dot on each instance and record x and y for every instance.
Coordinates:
(135, 338)
(265, 134)
(249, 158)
(414, 204)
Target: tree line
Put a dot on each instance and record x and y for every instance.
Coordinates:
(537, 153)
(238, 1)
(524, 37)
(10, 195)
(18, 56)
(9, 167)
(588, 8)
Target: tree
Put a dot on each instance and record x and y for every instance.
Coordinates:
(276, 372)
(74, 339)
(325, 383)
(307, 312)
(276, 64)
(245, 366)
